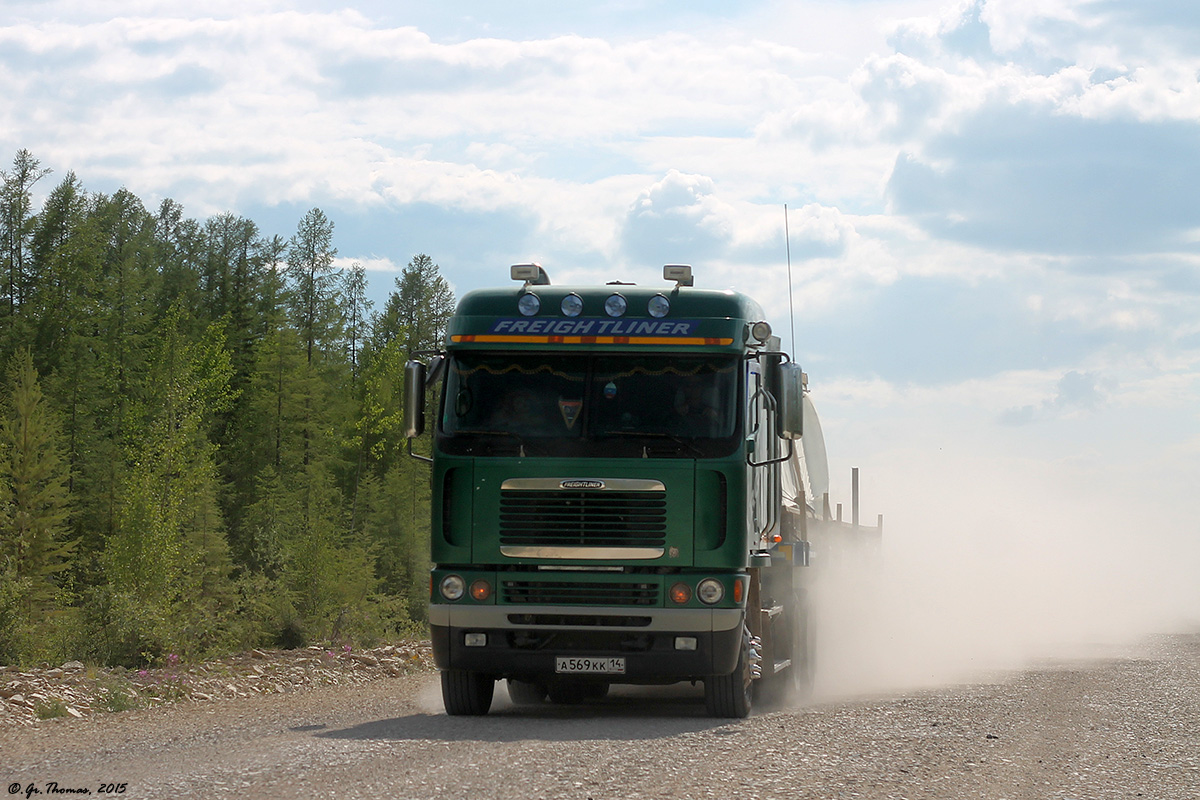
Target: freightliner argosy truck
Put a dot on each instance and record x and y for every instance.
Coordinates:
(618, 494)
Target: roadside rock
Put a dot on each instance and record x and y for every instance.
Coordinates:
(34, 696)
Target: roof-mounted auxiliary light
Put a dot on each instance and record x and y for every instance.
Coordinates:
(529, 304)
(659, 306)
(572, 305)
(680, 273)
(532, 274)
(615, 305)
(760, 331)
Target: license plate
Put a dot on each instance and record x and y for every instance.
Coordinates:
(594, 666)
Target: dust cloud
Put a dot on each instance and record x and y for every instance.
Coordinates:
(429, 698)
(989, 565)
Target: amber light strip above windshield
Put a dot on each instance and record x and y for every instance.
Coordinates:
(657, 340)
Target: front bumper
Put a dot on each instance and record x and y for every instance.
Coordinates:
(523, 642)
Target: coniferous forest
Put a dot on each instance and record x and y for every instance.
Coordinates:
(200, 432)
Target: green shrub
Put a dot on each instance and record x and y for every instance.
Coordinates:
(50, 708)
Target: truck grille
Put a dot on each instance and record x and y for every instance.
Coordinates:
(568, 593)
(634, 515)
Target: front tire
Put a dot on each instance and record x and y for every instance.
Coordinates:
(731, 695)
(466, 693)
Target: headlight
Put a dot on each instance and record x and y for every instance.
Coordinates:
(452, 587)
(710, 591)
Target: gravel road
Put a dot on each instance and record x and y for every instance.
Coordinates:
(1121, 727)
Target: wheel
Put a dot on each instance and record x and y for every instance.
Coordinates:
(731, 695)
(795, 640)
(526, 693)
(466, 693)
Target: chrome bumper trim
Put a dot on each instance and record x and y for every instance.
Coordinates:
(614, 553)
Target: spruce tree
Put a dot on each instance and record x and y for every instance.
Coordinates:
(34, 540)
(167, 560)
(17, 226)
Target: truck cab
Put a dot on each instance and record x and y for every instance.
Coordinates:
(608, 494)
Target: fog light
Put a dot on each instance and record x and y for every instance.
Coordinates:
(475, 639)
(685, 642)
(481, 590)
(680, 593)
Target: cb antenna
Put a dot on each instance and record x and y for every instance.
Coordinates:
(787, 242)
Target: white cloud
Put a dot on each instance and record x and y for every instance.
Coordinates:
(996, 131)
(370, 264)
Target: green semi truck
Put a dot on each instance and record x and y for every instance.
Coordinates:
(619, 482)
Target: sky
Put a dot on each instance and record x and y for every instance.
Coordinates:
(992, 206)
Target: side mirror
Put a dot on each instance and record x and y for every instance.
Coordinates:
(791, 400)
(414, 399)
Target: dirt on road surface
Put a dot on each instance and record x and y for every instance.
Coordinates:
(1126, 726)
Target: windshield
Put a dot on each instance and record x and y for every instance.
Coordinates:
(618, 405)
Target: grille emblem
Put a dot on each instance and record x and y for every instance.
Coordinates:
(581, 484)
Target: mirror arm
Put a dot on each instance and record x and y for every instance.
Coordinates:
(418, 456)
